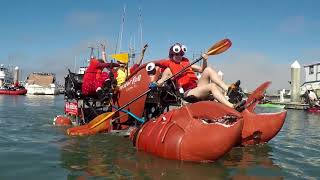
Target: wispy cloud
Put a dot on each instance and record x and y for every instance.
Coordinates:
(253, 69)
(84, 19)
(293, 24)
(312, 54)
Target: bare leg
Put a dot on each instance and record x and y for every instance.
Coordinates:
(211, 75)
(204, 90)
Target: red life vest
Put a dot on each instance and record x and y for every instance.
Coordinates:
(188, 79)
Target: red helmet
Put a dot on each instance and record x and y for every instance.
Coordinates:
(178, 49)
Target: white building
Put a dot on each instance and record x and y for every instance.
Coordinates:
(312, 78)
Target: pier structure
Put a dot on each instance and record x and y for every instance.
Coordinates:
(292, 100)
(295, 82)
(220, 74)
(16, 75)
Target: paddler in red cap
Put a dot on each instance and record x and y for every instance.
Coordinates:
(188, 83)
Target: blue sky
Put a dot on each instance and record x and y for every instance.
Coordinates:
(267, 36)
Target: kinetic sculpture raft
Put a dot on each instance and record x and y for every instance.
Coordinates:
(201, 131)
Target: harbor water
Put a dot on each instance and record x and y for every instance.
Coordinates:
(32, 148)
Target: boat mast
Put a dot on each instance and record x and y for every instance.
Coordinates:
(91, 52)
(98, 52)
(132, 45)
(122, 25)
(140, 25)
(75, 64)
(131, 51)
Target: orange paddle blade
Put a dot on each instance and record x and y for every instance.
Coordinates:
(101, 120)
(102, 127)
(94, 126)
(98, 118)
(76, 128)
(219, 47)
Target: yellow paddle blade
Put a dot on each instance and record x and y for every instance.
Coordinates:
(98, 118)
(101, 120)
(94, 126)
(219, 47)
(123, 57)
(75, 129)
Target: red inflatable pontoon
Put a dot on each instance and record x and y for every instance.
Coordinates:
(192, 132)
(13, 91)
(260, 128)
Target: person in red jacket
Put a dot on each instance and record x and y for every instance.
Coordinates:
(94, 77)
(188, 83)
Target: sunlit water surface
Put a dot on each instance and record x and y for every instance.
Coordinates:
(32, 148)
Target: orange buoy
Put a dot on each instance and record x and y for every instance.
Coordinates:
(62, 121)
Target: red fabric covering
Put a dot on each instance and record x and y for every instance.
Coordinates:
(134, 67)
(188, 79)
(94, 77)
(16, 84)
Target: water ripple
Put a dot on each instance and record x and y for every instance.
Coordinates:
(32, 147)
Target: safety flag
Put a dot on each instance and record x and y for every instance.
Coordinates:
(123, 57)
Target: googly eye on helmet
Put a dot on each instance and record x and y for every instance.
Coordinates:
(177, 49)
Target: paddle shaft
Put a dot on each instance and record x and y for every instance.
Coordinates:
(146, 92)
(121, 108)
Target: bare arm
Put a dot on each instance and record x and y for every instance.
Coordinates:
(196, 68)
(165, 76)
(103, 52)
(199, 69)
(142, 54)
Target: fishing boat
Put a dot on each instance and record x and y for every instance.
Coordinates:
(42, 83)
(9, 83)
(20, 90)
(6, 76)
